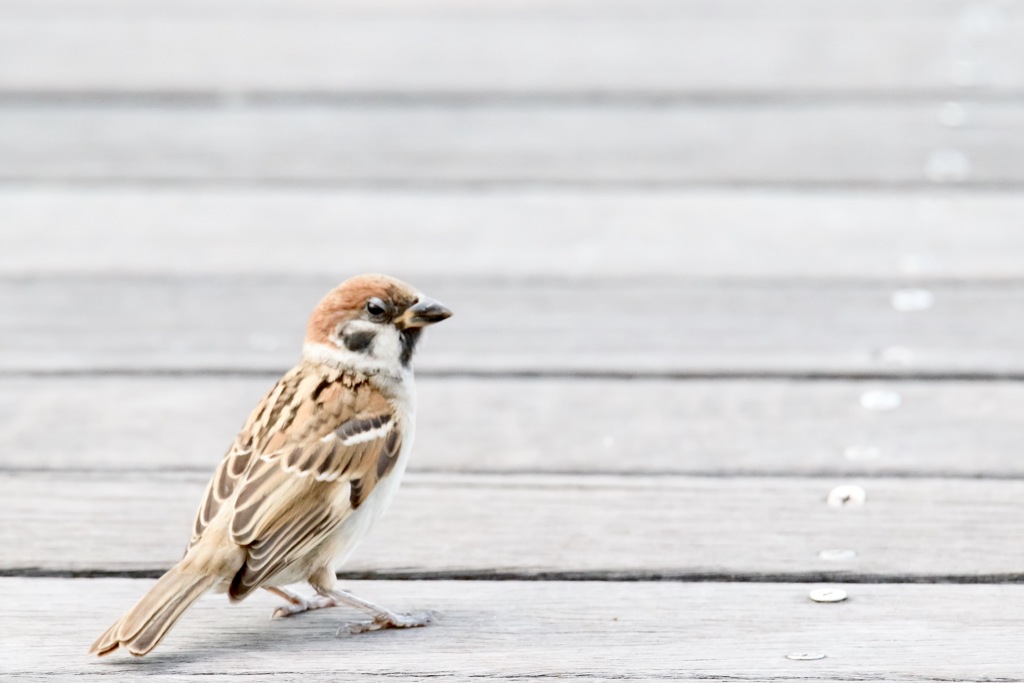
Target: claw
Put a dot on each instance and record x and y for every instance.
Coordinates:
(303, 605)
(389, 620)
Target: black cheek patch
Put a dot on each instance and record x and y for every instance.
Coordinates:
(359, 341)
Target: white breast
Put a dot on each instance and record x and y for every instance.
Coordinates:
(362, 519)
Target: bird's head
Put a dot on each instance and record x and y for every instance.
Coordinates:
(370, 323)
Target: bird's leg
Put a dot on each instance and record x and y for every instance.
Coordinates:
(382, 617)
(297, 603)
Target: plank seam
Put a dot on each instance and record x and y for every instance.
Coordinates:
(202, 472)
(485, 184)
(624, 375)
(815, 284)
(611, 576)
(477, 98)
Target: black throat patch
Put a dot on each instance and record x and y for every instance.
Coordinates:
(409, 339)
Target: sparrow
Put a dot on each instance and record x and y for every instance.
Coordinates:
(316, 464)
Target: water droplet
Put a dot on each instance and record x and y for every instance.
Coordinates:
(827, 595)
(897, 355)
(952, 114)
(880, 399)
(837, 554)
(948, 166)
(862, 453)
(910, 300)
(846, 495)
(805, 656)
(608, 441)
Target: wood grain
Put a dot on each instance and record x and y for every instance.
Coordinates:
(670, 231)
(722, 427)
(539, 630)
(602, 526)
(558, 48)
(518, 233)
(804, 144)
(255, 323)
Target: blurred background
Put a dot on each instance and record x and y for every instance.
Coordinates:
(710, 260)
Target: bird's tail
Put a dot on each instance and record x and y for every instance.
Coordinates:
(145, 624)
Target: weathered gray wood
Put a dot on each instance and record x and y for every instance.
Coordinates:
(527, 477)
(539, 630)
(806, 144)
(529, 232)
(705, 10)
(638, 327)
(528, 524)
(566, 47)
(546, 425)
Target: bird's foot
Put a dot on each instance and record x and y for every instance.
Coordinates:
(388, 620)
(297, 605)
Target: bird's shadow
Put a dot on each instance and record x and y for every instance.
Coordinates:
(254, 635)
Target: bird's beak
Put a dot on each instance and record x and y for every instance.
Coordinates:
(424, 312)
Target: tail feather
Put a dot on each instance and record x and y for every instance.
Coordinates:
(145, 624)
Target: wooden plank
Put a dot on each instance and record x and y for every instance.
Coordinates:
(717, 10)
(255, 323)
(517, 233)
(548, 425)
(589, 48)
(675, 144)
(539, 630)
(600, 526)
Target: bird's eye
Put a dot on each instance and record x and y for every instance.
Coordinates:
(376, 308)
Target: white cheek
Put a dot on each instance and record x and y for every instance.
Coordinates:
(387, 340)
(387, 345)
(382, 356)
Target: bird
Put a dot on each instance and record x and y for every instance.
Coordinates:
(315, 465)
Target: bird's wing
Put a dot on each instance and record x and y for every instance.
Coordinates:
(312, 452)
(292, 500)
(255, 435)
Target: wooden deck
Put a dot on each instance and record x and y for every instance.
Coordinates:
(796, 224)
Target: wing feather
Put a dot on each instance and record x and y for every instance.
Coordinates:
(310, 454)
